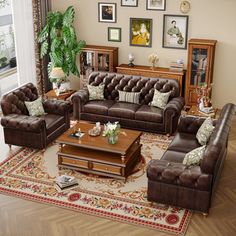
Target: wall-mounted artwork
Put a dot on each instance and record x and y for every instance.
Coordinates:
(114, 34)
(141, 32)
(175, 31)
(129, 3)
(158, 5)
(107, 12)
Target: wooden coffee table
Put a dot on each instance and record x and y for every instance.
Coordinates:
(95, 155)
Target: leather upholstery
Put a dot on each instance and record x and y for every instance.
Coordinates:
(165, 121)
(98, 107)
(171, 182)
(29, 131)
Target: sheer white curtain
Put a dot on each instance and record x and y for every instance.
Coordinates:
(24, 40)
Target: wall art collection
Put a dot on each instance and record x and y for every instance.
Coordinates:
(175, 27)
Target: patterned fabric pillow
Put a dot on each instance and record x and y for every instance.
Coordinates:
(132, 97)
(35, 108)
(96, 92)
(160, 99)
(205, 131)
(195, 156)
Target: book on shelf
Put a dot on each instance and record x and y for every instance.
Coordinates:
(175, 66)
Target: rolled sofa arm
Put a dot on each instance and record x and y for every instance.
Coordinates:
(57, 107)
(178, 174)
(176, 105)
(79, 99)
(23, 122)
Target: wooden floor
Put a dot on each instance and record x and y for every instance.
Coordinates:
(24, 218)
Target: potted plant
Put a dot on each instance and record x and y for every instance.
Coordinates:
(58, 39)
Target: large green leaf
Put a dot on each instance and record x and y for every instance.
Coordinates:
(56, 44)
(68, 17)
(81, 44)
(74, 69)
(43, 34)
(44, 49)
(49, 69)
(57, 58)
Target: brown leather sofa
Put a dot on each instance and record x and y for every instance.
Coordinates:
(171, 182)
(137, 116)
(29, 131)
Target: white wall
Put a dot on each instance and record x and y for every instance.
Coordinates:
(210, 19)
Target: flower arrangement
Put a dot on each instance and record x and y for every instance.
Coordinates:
(153, 58)
(111, 130)
(203, 93)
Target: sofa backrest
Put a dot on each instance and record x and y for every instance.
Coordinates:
(13, 102)
(217, 145)
(114, 82)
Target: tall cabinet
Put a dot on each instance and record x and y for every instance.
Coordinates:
(201, 53)
(97, 58)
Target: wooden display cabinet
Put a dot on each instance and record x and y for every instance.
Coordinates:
(201, 53)
(97, 58)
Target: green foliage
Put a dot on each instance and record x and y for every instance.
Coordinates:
(58, 39)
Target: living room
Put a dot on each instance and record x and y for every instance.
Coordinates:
(200, 21)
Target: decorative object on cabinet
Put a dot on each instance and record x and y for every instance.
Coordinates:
(158, 72)
(97, 58)
(201, 53)
(141, 32)
(114, 34)
(153, 59)
(129, 3)
(185, 7)
(131, 60)
(58, 40)
(175, 31)
(107, 12)
(158, 5)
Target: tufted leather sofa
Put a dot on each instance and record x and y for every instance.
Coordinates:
(137, 116)
(171, 182)
(36, 132)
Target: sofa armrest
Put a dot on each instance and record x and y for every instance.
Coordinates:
(23, 122)
(176, 105)
(79, 99)
(179, 174)
(57, 107)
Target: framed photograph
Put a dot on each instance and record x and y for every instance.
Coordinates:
(158, 5)
(129, 3)
(107, 12)
(141, 32)
(175, 31)
(114, 34)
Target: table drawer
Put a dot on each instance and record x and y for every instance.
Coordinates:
(107, 168)
(74, 162)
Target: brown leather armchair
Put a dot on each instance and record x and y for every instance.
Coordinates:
(29, 131)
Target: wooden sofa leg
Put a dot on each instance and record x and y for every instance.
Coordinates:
(9, 145)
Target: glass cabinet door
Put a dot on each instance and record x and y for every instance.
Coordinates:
(199, 66)
(103, 62)
(87, 62)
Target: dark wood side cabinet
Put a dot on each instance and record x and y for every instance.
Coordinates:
(97, 58)
(201, 53)
(157, 72)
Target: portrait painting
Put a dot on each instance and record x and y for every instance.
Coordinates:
(175, 31)
(141, 32)
(158, 5)
(107, 12)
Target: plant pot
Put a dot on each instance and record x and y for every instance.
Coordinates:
(112, 139)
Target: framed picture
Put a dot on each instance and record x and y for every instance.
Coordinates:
(107, 12)
(175, 31)
(129, 3)
(114, 34)
(141, 32)
(158, 5)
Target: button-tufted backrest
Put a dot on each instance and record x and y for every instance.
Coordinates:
(13, 102)
(114, 82)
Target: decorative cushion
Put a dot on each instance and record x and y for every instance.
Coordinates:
(195, 156)
(160, 99)
(96, 92)
(205, 131)
(131, 97)
(35, 108)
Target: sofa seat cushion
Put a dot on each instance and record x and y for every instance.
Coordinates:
(123, 110)
(149, 113)
(184, 142)
(53, 122)
(173, 156)
(98, 107)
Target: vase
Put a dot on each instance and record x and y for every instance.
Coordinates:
(112, 138)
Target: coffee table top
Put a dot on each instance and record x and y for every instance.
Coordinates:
(126, 139)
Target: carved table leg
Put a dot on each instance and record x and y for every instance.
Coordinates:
(123, 158)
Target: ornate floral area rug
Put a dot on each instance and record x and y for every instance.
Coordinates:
(30, 174)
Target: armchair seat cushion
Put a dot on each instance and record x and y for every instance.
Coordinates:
(98, 107)
(53, 122)
(189, 140)
(173, 156)
(124, 110)
(149, 113)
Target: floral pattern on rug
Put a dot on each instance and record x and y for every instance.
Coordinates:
(30, 174)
